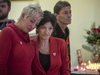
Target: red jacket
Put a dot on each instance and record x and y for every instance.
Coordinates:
(16, 52)
(58, 57)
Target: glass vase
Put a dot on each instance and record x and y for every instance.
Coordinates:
(96, 53)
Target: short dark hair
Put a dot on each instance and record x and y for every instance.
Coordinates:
(59, 5)
(48, 17)
(8, 3)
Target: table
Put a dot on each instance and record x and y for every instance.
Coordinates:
(82, 70)
(83, 73)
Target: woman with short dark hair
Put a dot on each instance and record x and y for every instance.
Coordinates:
(51, 53)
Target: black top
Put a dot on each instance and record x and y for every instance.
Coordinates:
(4, 24)
(45, 61)
(59, 33)
(1, 24)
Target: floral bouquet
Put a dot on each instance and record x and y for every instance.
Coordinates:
(93, 35)
(93, 40)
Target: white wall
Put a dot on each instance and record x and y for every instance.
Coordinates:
(97, 11)
(84, 12)
(48, 4)
(82, 17)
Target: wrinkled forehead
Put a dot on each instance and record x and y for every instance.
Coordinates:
(66, 8)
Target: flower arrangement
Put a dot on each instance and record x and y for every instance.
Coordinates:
(93, 34)
(93, 39)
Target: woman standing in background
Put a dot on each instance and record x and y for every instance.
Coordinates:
(51, 53)
(16, 52)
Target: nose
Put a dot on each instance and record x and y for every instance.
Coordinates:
(69, 15)
(46, 30)
(33, 26)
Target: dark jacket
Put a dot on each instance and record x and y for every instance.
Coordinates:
(4, 24)
(59, 34)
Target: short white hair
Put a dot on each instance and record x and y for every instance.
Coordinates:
(32, 10)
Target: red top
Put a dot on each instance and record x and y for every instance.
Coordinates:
(16, 52)
(59, 60)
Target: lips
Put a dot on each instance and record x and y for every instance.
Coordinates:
(29, 29)
(69, 19)
(45, 35)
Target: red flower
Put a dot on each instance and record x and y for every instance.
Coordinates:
(94, 29)
(88, 32)
(98, 30)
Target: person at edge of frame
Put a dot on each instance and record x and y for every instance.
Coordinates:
(5, 7)
(16, 52)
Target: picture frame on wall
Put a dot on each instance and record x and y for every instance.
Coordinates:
(79, 55)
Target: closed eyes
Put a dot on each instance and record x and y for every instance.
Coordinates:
(31, 21)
